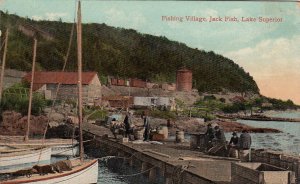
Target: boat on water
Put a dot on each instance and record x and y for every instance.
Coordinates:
(59, 147)
(13, 158)
(82, 172)
(79, 170)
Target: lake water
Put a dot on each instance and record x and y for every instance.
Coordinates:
(287, 141)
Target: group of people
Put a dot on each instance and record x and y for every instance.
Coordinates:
(240, 145)
(129, 125)
(214, 136)
(237, 147)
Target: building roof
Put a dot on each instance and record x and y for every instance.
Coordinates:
(60, 77)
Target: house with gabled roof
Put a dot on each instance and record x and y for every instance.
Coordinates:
(47, 83)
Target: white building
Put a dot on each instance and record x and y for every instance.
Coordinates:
(168, 102)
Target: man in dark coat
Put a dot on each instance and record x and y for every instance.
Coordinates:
(219, 135)
(245, 140)
(244, 146)
(234, 140)
(127, 124)
(233, 146)
(210, 133)
(209, 136)
(147, 126)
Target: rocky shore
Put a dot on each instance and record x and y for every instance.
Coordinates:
(198, 125)
(230, 126)
(258, 117)
(14, 124)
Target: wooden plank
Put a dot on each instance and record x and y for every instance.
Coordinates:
(244, 172)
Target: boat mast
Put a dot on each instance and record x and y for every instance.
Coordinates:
(3, 63)
(79, 57)
(30, 91)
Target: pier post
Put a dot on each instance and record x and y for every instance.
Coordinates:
(162, 170)
(127, 159)
(144, 166)
(297, 171)
(130, 161)
(121, 156)
(152, 174)
(168, 181)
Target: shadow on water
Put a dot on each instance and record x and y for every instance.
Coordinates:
(116, 171)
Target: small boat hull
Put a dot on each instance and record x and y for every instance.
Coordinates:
(60, 147)
(87, 173)
(65, 150)
(13, 161)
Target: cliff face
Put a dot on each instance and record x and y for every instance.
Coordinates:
(121, 52)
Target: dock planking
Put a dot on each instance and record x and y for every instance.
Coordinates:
(167, 158)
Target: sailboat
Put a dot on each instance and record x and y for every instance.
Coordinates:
(82, 170)
(15, 157)
(59, 147)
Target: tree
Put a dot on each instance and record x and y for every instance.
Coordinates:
(16, 99)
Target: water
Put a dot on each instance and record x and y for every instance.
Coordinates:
(288, 141)
(118, 173)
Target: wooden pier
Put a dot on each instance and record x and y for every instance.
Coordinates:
(176, 162)
(173, 161)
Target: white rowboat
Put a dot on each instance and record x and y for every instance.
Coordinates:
(84, 173)
(16, 158)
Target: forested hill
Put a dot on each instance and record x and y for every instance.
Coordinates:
(120, 52)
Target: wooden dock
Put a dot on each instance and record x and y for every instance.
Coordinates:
(174, 162)
(177, 163)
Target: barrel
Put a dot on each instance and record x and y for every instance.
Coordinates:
(165, 132)
(138, 134)
(160, 131)
(179, 136)
(233, 152)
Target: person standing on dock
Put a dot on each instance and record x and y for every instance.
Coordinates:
(233, 145)
(209, 136)
(147, 126)
(244, 146)
(219, 135)
(234, 140)
(128, 124)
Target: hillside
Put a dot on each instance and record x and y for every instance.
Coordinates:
(121, 52)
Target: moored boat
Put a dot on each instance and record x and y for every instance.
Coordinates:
(82, 172)
(65, 150)
(19, 158)
(59, 147)
(79, 170)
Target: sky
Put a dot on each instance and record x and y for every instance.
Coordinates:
(268, 51)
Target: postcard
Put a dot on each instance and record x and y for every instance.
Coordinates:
(149, 91)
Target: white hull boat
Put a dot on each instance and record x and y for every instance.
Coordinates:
(84, 173)
(79, 171)
(59, 147)
(65, 150)
(14, 159)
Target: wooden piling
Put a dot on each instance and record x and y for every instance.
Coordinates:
(152, 174)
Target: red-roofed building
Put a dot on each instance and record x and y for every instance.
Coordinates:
(47, 82)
